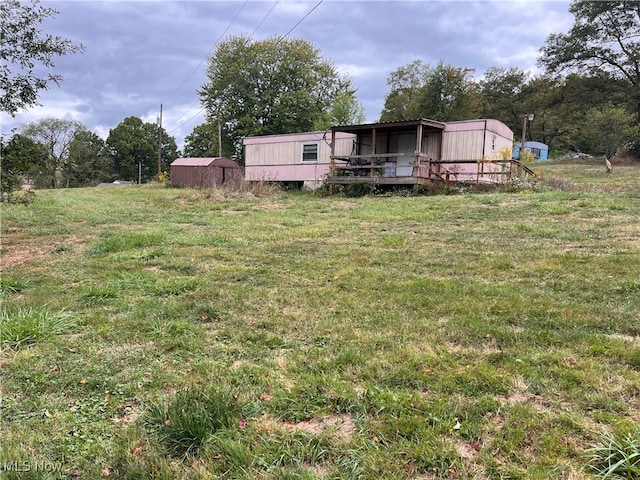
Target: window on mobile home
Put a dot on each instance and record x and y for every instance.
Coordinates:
(309, 152)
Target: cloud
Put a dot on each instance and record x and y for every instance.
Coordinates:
(139, 54)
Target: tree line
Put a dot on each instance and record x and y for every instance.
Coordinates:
(57, 153)
(587, 99)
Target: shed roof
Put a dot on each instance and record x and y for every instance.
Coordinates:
(531, 144)
(205, 162)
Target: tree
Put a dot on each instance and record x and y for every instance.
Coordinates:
(605, 36)
(271, 86)
(25, 52)
(443, 93)
(19, 157)
(346, 110)
(133, 147)
(203, 142)
(89, 162)
(501, 91)
(450, 94)
(603, 41)
(606, 130)
(56, 135)
(406, 82)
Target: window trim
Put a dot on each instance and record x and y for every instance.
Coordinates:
(305, 144)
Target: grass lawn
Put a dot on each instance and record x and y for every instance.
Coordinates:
(151, 332)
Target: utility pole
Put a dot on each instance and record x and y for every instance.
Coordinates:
(219, 138)
(160, 142)
(524, 133)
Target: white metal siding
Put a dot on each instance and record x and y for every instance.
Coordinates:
(290, 153)
(466, 145)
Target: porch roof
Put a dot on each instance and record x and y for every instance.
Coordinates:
(402, 125)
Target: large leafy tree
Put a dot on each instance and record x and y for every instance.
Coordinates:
(443, 93)
(346, 110)
(605, 36)
(27, 54)
(270, 86)
(133, 147)
(450, 94)
(405, 84)
(603, 41)
(89, 162)
(606, 130)
(501, 91)
(56, 135)
(21, 157)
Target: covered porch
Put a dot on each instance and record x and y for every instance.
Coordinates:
(393, 153)
(412, 153)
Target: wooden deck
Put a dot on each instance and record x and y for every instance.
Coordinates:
(382, 169)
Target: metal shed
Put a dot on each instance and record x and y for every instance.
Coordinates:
(206, 172)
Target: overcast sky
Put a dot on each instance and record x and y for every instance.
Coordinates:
(140, 54)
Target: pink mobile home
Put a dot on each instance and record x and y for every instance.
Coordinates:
(411, 152)
(302, 158)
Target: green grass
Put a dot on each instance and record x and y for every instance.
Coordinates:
(26, 325)
(192, 417)
(214, 334)
(618, 456)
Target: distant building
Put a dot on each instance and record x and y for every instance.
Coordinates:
(540, 150)
(116, 183)
(206, 172)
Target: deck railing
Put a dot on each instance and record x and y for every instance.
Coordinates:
(374, 166)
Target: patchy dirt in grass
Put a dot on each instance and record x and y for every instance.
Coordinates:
(536, 401)
(233, 212)
(426, 476)
(129, 413)
(14, 254)
(271, 206)
(340, 427)
(467, 451)
(624, 338)
(490, 348)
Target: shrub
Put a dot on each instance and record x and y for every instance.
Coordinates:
(359, 189)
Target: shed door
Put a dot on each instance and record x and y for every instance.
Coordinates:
(406, 146)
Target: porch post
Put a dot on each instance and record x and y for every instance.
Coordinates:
(416, 167)
(332, 170)
(373, 150)
(333, 149)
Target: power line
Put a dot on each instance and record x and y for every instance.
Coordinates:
(253, 33)
(188, 120)
(209, 53)
(299, 22)
(264, 18)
